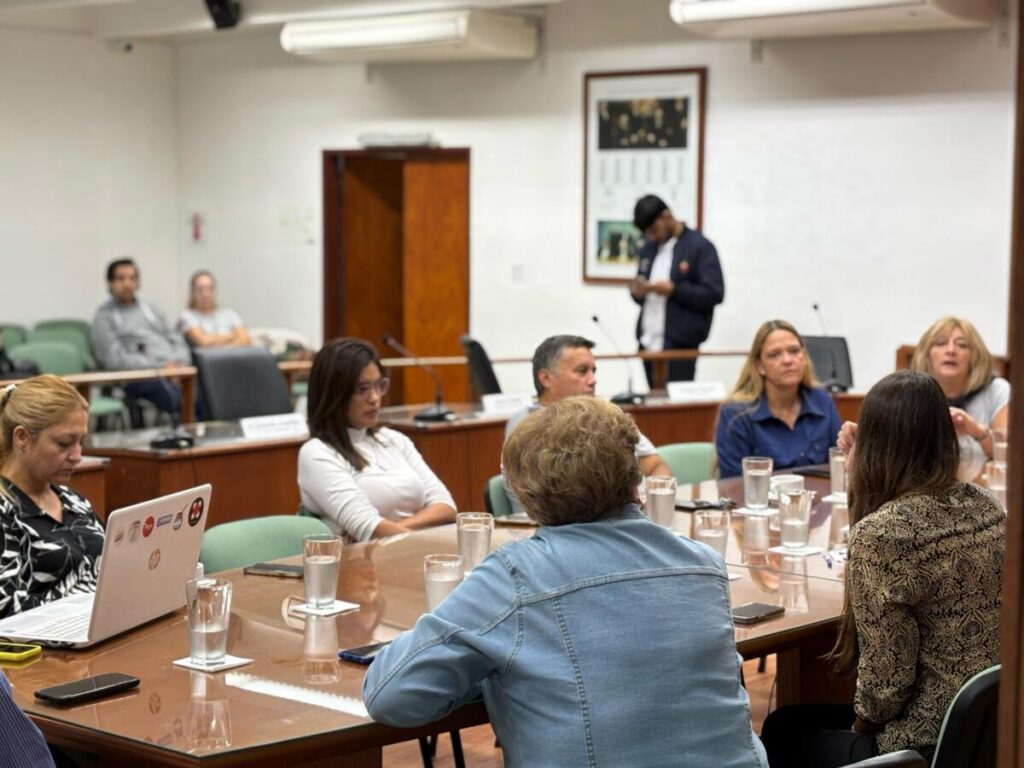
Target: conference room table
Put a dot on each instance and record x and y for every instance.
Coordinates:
(296, 703)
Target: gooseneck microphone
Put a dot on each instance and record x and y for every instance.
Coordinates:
(437, 411)
(821, 321)
(629, 397)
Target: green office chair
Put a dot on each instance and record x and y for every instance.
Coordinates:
(689, 462)
(12, 334)
(256, 540)
(496, 499)
(73, 334)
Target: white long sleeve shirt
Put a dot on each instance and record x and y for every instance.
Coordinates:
(397, 482)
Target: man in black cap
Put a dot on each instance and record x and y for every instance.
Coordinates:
(678, 284)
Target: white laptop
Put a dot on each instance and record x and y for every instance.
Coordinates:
(150, 551)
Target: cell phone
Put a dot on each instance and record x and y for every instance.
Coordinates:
(274, 569)
(692, 505)
(754, 613)
(87, 689)
(364, 654)
(18, 651)
(815, 470)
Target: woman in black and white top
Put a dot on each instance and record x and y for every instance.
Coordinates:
(52, 540)
(363, 480)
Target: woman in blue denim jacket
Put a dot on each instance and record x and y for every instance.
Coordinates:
(603, 640)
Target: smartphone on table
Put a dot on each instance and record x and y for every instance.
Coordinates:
(274, 569)
(18, 651)
(755, 613)
(364, 654)
(87, 689)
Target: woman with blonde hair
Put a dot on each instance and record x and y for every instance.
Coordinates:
(951, 350)
(204, 324)
(52, 540)
(777, 408)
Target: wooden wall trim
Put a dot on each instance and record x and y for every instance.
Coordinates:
(1011, 706)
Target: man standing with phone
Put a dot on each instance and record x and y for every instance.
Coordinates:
(678, 285)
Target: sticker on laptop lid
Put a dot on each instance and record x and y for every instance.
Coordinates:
(134, 531)
(178, 520)
(147, 527)
(154, 559)
(195, 512)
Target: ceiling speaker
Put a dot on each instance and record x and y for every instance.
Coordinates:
(225, 13)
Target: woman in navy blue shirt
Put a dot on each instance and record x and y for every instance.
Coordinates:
(777, 407)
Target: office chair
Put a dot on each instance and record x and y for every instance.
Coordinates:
(237, 382)
(496, 499)
(256, 540)
(481, 372)
(689, 462)
(831, 360)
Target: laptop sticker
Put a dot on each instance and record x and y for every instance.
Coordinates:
(147, 527)
(119, 536)
(133, 531)
(195, 512)
(164, 520)
(154, 559)
(178, 520)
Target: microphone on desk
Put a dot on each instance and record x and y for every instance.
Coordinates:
(437, 411)
(831, 383)
(176, 437)
(629, 397)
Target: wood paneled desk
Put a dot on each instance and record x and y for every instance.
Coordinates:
(296, 703)
(250, 477)
(90, 480)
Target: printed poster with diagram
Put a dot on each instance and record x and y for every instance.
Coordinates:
(643, 134)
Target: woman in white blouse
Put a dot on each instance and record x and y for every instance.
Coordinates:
(363, 480)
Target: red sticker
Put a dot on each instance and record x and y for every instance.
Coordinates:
(195, 512)
(147, 527)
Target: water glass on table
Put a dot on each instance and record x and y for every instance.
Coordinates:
(712, 528)
(321, 558)
(441, 575)
(995, 476)
(474, 532)
(757, 479)
(1000, 444)
(209, 610)
(837, 470)
(661, 499)
(795, 518)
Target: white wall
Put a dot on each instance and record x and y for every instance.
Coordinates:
(870, 174)
(87, 171)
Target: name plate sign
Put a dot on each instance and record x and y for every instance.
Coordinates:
(280, 425)
(695, 391)
(505, 403)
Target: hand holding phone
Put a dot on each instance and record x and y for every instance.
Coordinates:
(87, 689)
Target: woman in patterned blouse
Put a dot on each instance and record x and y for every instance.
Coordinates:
(52, 540)
(922, 585)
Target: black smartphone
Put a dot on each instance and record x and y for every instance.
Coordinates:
(87, 689)
(274, 569)
(754, 613)
(364, 654)
(814, 470)
(692, 505)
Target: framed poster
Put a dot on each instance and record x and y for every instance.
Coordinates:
(643, 133)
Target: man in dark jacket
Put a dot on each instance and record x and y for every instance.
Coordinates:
(678, 284)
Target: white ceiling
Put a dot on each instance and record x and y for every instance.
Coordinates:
(170, 19)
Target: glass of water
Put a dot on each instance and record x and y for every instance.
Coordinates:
(321, 558)
(712, 528)
(209, 609)
(795, 518)
(474, 531)
(837, 470)
(661, 499)
(441, 574)
(1000, 444)
(995, 473)
(757, 480)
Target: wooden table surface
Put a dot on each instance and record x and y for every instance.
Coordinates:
(297, 703)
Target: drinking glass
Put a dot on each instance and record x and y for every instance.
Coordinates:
(474, 532)
(839, 526)
(661, 499)
(837, 470)
(795, 518)
(755, 539)
(757, 478)
(999, 444)
(320, 649)
(781, 483)
(209, 713)
(441, 574)
(712, 528)
(321, 557)
(995, 471)
(209, 610)
(793, 583)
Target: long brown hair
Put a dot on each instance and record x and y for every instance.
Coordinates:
(332, 382)
(906, 444)
(750, 384)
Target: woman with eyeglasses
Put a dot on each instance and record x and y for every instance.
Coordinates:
(363, 480)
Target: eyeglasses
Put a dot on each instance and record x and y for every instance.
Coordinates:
(380, 386)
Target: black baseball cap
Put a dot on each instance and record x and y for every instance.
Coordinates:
(648, 209)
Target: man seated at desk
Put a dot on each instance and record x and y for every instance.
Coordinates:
(128, 334)
(564, 366)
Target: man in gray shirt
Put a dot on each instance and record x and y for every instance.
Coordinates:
(128, 334)
(564, 366)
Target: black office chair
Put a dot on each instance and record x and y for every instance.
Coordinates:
(831, 359)
(481, 372)
(967, 738)
(237, 382)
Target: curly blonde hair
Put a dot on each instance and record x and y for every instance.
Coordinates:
(573, 461)
(980, 369)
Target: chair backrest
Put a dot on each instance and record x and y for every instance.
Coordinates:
(71, 334)
(967, 738)
(81, 326)
(481, 372)
(256, 540)
(831, 359)
(57, 357)
(689, 462)
(495, 499)
(13, 334)
(241, 381)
